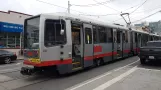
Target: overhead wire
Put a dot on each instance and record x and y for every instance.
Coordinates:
(130, 7)
(107, 6)
(133, 10)
(58, 6)
(146, 16)
(89, 5)
(82, 13)
(139, 6)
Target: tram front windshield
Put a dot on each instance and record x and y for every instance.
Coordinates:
(31, 33)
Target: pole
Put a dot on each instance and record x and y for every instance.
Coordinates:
(69, 6)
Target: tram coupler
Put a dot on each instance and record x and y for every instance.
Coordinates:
(27, 71)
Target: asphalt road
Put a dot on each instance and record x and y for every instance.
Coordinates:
(127, 74)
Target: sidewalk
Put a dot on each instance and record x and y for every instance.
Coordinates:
(19, 57)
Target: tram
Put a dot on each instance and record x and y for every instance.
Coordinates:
(67, 43)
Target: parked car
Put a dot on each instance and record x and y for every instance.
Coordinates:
(7, 56)
(152, 51)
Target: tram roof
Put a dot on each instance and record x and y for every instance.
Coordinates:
(139, 31)
(85, 19)
(152, 34)
(93, 21)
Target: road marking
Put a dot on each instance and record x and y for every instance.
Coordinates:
(126, 65)
(13, 84)
(111, 82)
(4, 78)
(148, 69)
(18, 63)
(96, 78)
(91, 80)
(10, 70)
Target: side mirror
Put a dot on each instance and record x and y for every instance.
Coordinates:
(62, 32)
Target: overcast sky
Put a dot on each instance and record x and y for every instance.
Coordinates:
(34, 7)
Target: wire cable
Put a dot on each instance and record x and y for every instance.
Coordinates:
(90, 5)
(139, 6)
(147, 16)
(107, 6)
(58, 6)
(76, 10)
(133, 11)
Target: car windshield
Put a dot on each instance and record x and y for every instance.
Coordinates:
(154, 44)
(4, 51)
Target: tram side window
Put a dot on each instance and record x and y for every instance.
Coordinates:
(95, 35)
(133, 37)
(109, 34)
(136, 38)
(115, 36)
(88, 36)
(102, 35)
(123, 37)
(118, 37)
(126, 36)
(52, 33)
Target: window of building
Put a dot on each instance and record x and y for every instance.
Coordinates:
(52, 33)
(109, 35)
(102, 35)
(95, 35)
(9, 40)
(88, 36)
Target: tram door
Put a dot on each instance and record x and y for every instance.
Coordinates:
(119, 44)
(88, 45)
(139, 41)
(77, 46)
(114, 44)
(135, 43)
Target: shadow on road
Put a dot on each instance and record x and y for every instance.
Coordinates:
(151, 65)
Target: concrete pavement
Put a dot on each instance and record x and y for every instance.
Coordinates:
(126, 74)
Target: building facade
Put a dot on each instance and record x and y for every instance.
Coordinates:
(155, 26)
(144, 26)
(11, 27)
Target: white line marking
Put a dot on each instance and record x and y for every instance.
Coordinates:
(13, 84)
(90, 80)
(4, 78)
(96, 78)
(126, 65)
(18, 63)
(109, 83)
(9, 70)
(149, 69)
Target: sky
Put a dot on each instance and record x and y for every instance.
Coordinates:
(112, 7)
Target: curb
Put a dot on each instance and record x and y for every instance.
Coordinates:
(20, 59)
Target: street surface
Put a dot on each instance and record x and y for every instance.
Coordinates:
(127, 74)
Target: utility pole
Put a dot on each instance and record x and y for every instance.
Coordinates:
(69, 5)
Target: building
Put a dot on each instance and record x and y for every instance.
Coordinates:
(11, 27)
(155, 26)
(144, 26)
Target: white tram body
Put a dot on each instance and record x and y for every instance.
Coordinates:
(67, 43)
